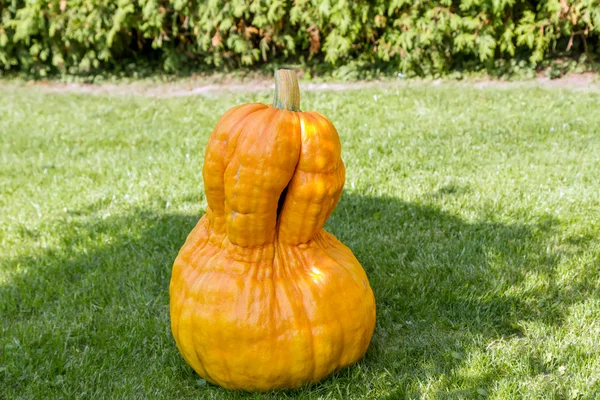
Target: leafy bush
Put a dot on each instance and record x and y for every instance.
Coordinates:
(414, 37)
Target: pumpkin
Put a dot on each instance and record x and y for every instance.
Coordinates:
(261, 296)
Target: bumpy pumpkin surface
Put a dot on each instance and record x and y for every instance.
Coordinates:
(262, 297)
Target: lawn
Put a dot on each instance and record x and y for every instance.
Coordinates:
(475, 213)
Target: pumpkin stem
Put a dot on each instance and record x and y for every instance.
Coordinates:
(287, 92)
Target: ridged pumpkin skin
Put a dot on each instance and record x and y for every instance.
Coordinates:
(262, 297)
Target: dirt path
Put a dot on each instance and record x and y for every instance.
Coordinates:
(206, 87)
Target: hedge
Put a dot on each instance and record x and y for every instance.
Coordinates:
(415, 37)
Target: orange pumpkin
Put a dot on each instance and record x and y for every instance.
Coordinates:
(262, 297)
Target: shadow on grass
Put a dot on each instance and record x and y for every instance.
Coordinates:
(91, 318)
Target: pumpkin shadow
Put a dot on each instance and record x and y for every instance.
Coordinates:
(440, 283)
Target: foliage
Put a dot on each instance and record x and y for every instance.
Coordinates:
(413, 37)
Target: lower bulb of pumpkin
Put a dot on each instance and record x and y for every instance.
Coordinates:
(279, 316)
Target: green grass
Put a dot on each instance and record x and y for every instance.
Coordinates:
(476, 214)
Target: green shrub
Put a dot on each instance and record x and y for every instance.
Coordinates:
(414, 37)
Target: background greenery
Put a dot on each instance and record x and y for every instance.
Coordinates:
(351, 38)
(475, 213)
